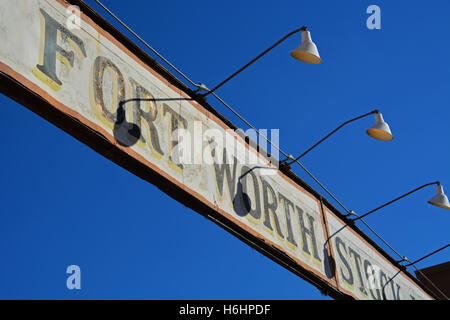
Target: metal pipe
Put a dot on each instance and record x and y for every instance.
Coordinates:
(240, 117)
(146, 44)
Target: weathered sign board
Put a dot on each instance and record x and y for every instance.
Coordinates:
(98, 86)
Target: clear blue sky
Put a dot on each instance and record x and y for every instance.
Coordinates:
(64, 204)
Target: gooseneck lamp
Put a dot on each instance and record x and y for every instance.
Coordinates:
(439, 200)
(380, 131)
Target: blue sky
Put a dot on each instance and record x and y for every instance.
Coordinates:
(64, 204)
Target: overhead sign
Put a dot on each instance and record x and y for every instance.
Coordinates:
(78, 72)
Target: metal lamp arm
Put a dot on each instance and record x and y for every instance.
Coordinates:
(331, 133)
(396, 199)
(251, 62)
(428, 255)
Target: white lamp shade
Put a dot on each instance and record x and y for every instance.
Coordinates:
(380, 130)
(307, 51)
(440, 199)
